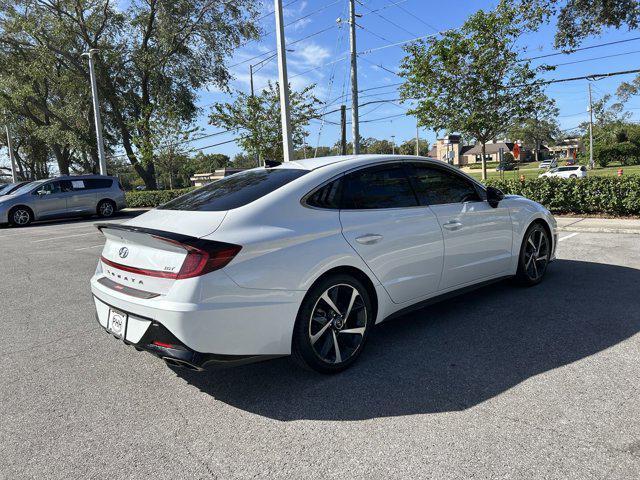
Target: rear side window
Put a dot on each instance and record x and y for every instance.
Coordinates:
(435, 186)
(95, 183)
(327, 196)
(235, 190)
(378, 187)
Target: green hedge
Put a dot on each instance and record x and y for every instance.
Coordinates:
(601, 195)
(152, 198)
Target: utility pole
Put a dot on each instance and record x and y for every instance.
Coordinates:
(96, 111)
(343, 129)
(393, 144)
(354, 79)
(253, 100)
(417, 140)
(287, 147)
(591, 163)
(12, 158)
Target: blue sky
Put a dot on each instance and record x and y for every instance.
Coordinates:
(319, 60)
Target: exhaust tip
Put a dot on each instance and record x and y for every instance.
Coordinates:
(175, 362)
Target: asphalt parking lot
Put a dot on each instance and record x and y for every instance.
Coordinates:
(502, 382)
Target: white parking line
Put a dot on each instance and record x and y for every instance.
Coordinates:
(568, 236)
(87, 248)
(66, 236)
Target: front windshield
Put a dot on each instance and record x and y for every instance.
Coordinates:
(27, 188)
(553, 170)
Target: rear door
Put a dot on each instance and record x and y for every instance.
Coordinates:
(50, 200)
(398, 239)
(80, 198)
(477, 237)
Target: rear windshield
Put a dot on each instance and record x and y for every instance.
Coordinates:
(235, 190)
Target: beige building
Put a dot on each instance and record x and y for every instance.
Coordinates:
(567, 149)
(450, 149)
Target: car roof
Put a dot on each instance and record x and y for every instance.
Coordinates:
(81, 177)
(346, 161)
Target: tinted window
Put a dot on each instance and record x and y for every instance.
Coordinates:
(326, 197)
(235, 190)
(378, 187)
(95, 183)
(436, 186)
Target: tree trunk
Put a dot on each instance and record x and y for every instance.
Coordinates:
(62, 159)
(484, 161)
(537, 150)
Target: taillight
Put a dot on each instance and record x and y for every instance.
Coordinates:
(204, 258)
(207, 257)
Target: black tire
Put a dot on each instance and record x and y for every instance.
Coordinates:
(20, 216)
(318, 320)
(106, 208)
(535, 252)
(573, 175)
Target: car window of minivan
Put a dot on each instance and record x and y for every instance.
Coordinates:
(28, 187)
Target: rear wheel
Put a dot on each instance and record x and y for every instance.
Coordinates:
(332, 325)
(535, 253)
(106, 208)
(20, 216)
(573, 175)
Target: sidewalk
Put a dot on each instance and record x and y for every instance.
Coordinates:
(598, 225)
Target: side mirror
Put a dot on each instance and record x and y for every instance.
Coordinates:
(494, 196)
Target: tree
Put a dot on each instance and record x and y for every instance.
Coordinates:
(471, 80)
(408, 147)
(541, 126)
(579, 19)
(154, 56)
(376, 146)
(257, 120)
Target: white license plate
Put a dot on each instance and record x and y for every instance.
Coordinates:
(117, 323)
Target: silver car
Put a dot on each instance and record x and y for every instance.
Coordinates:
(68, 196)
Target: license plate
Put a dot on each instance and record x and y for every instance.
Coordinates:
(117, 323)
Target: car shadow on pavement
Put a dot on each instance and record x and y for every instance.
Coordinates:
(449, 356)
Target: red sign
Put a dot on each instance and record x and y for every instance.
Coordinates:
(516, 150)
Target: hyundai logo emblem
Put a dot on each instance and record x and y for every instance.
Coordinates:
(123, 252)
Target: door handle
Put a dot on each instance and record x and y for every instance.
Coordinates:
(369, 239)
(453, 225)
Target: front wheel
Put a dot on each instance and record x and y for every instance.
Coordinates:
(332, 325)
(20, 217)
(535, 254)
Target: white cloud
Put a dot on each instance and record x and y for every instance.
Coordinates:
(311, 54)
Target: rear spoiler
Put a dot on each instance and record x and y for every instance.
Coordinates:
(164, 235)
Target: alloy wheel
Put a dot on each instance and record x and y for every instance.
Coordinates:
(338, 323)
(106, 209)
(536, 254)
(21, 217)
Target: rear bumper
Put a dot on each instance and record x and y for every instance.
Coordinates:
(231, 326)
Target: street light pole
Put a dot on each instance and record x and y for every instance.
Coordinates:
(417, 140)
(96, 111)
(12, 158)
(287, 146)
(393, 144)
(355, 128)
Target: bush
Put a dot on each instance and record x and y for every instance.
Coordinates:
(152, 198)
(591, 195)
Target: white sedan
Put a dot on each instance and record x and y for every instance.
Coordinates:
(305, 258)
(573, 171)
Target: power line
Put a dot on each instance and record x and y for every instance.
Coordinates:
(273, 11)
(288, 44)
(417, 18)
(569, 52)
(385, 18)
(596, 58)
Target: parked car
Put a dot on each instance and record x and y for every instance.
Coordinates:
(9, 188)
(550, 163)
(574, 171)
(68, 196)
(306, 257)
